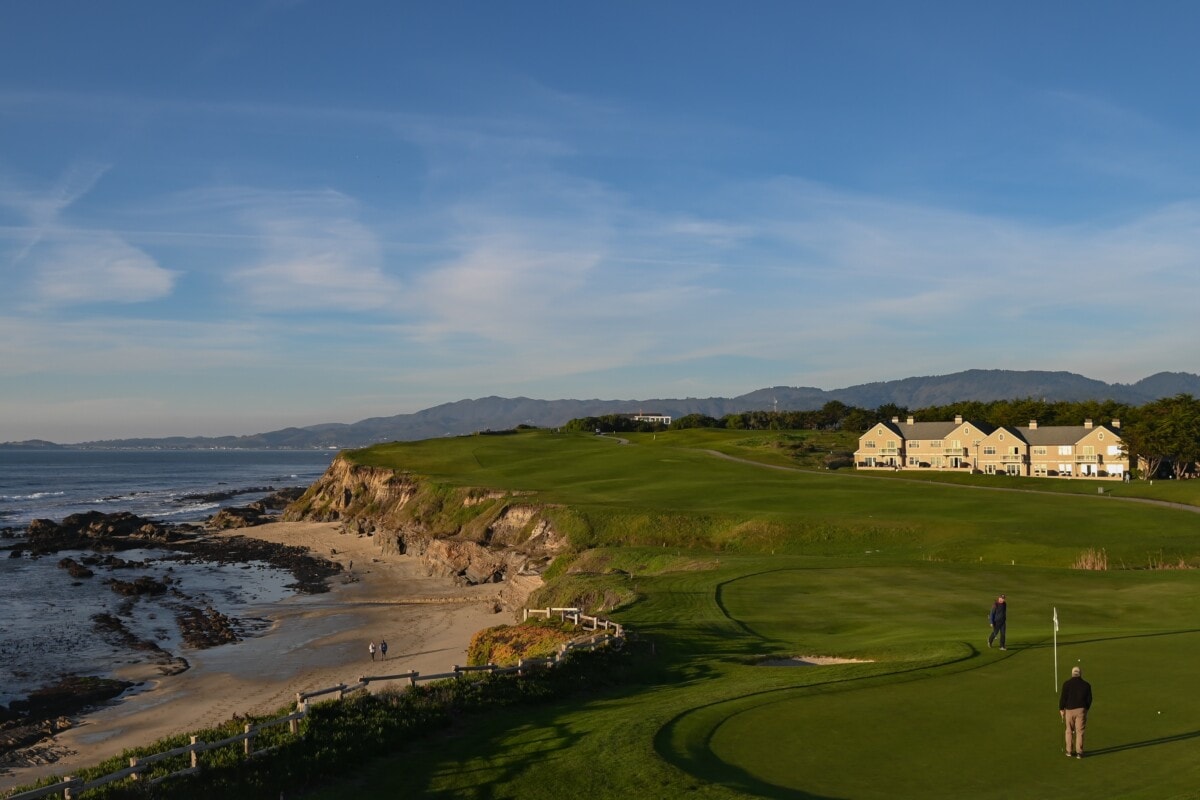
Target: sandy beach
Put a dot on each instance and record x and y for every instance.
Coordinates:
(314, 641)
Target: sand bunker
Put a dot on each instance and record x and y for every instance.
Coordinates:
(811, 661)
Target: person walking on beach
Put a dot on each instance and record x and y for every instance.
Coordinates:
(998, 619)
(383, 648)
(1073, 707)
(371, 650)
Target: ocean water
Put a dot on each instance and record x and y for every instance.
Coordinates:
(46, 628)
(166, 485)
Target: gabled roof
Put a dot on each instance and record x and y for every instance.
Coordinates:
(927, 430)
(938, 430)
(1061, 434)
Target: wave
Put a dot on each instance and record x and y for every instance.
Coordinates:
(193, 509)
(34, 496)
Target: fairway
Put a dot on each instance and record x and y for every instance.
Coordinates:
(732, 562)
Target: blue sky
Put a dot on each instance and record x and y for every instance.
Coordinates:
(231, 217)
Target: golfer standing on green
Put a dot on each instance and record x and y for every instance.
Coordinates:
(1073, 707)
(998, 619)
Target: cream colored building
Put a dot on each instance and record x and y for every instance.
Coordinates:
(1063, 451)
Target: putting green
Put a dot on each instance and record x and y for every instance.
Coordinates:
(984, 725)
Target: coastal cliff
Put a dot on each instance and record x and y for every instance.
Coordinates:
(473, 535)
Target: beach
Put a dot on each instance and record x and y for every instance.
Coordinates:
(313, 641)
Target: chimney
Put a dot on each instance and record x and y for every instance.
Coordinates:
(1033, 424)
(958, 419)
(896, 420)
(1087, 423)
(1116, 423)
(910, 419)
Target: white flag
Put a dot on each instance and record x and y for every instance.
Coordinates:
(1056, 619)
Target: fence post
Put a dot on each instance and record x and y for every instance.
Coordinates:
(526, 617)
(247, 748)
(195, 756)
(412, 678)
(133, 762)
(67, 793)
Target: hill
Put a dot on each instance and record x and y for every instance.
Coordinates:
(500, 413)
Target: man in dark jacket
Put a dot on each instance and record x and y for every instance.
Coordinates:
(998, 618)
(1073, 707)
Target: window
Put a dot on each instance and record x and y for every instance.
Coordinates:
(935, 443)
(1089, 450)
(913, 445)
(1064, 449)
(1002, 437)
(1100, 436)
(989, 450)
(1039, 451)
(1014, 451)
(1114, 449)
(870, 445)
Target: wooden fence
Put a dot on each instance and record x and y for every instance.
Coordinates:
(70, 787)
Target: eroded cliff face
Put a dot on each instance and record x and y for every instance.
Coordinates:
(473, 535)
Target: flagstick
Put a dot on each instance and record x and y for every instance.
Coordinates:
(1056, 648)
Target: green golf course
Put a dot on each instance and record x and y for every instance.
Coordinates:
(727, 565)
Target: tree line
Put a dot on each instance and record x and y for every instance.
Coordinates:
(1162, 437)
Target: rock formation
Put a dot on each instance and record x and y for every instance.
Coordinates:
(473, 535)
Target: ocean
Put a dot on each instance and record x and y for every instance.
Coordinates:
(165, 485)
(46, 618)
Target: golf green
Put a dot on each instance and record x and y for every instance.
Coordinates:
(984, 725)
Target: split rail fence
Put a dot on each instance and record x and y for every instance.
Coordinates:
(71, 787)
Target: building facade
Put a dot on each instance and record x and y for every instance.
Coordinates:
(1059, 451)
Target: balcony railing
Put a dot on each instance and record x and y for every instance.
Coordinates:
(1087, 459)
(1013, 458)
(955, 451)
(889, 451)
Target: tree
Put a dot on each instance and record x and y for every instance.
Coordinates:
(1165, 431)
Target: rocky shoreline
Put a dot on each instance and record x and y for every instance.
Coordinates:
(27, 722)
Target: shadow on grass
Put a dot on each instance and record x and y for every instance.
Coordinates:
(698, 759)
(493, 777)
(1118, 748)
(1072, 642)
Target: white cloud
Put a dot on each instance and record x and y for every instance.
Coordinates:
(99, 270)
(314, 255)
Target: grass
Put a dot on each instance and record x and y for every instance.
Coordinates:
(721, 563)
(717, 564)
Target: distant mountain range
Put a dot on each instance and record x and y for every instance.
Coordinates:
(501, 413)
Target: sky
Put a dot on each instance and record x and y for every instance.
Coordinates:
(233, 217)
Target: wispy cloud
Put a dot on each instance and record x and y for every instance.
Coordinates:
(42, 210)
(108, 271)
(309, 251)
